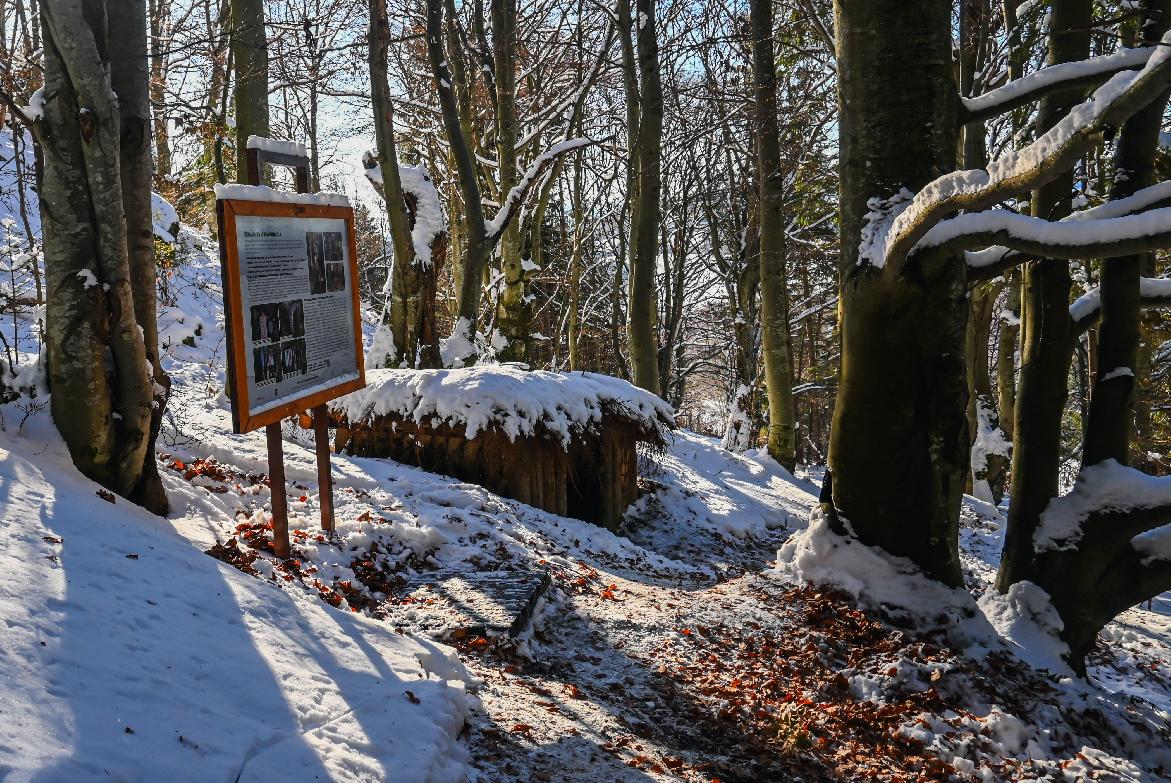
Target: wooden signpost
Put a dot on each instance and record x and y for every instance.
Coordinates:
(292, 316)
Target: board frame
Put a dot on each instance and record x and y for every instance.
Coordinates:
(227, 210)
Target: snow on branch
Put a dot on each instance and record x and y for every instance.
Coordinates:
(1105, 488)
(1063, 76)
(1152, 292)
(895, 230)
(515, 199)
(988, 263)
(430, 219)
(1105, 238)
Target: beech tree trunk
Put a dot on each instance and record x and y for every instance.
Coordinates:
(250, 55)
(410, 311)
(1006, 352)
(476, 246)
(644, 227)
(1046, 329)
(1110, 426)
(160, 15)
(130, 78)
(514, 315)
(899, 443)
(1104, 574)
(989, 470)
(774, 298)
(103, 399)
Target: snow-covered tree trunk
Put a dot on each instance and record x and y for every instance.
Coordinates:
(1006, 354)
(482, 236)
(409, 313)
(103, 398)
(1108, 567)
(738, 432)
(514, 315)
(1110, 425)
(899, 445)
(990, 448)
(774, 299)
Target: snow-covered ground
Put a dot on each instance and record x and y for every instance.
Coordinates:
(673, 650)
(130, 654)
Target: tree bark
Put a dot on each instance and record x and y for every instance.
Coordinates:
(159, 15)
(989, 470)
(1110, 425)
(1047, 330)
(407, 281)
(899, 444)
(1006, 353)
(1104, 574)
(130, 79)
(102, 395)
(774, 298)
(514, 315)
(642, 316)
(250, 55)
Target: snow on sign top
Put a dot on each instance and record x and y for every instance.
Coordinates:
(277, 146)
(518, 402)
(262, 193)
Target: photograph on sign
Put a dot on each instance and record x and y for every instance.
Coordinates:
(290, 278)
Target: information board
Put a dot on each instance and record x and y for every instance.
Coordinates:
(291, 307)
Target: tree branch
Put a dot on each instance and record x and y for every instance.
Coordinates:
(1106, 238)
(1055, 78)
(516, 197)
(1153, 292)
(899, 226)
(994, 261)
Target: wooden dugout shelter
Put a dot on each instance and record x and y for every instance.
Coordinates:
(566, 443)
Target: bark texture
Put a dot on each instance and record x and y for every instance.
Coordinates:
(774, 299)
(410, 310)
(899, 443)
(250, 55)
(1103, 575)
(103, 398)
(645, 210)
(1110, 426)
(1046, 329)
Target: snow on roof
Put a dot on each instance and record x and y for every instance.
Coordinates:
(516, 401)
(262, 193)
(278, 146)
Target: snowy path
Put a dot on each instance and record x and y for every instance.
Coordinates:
(665, 653)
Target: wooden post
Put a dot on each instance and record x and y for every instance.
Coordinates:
(255, 159)
(276, 482)
(324, 477)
